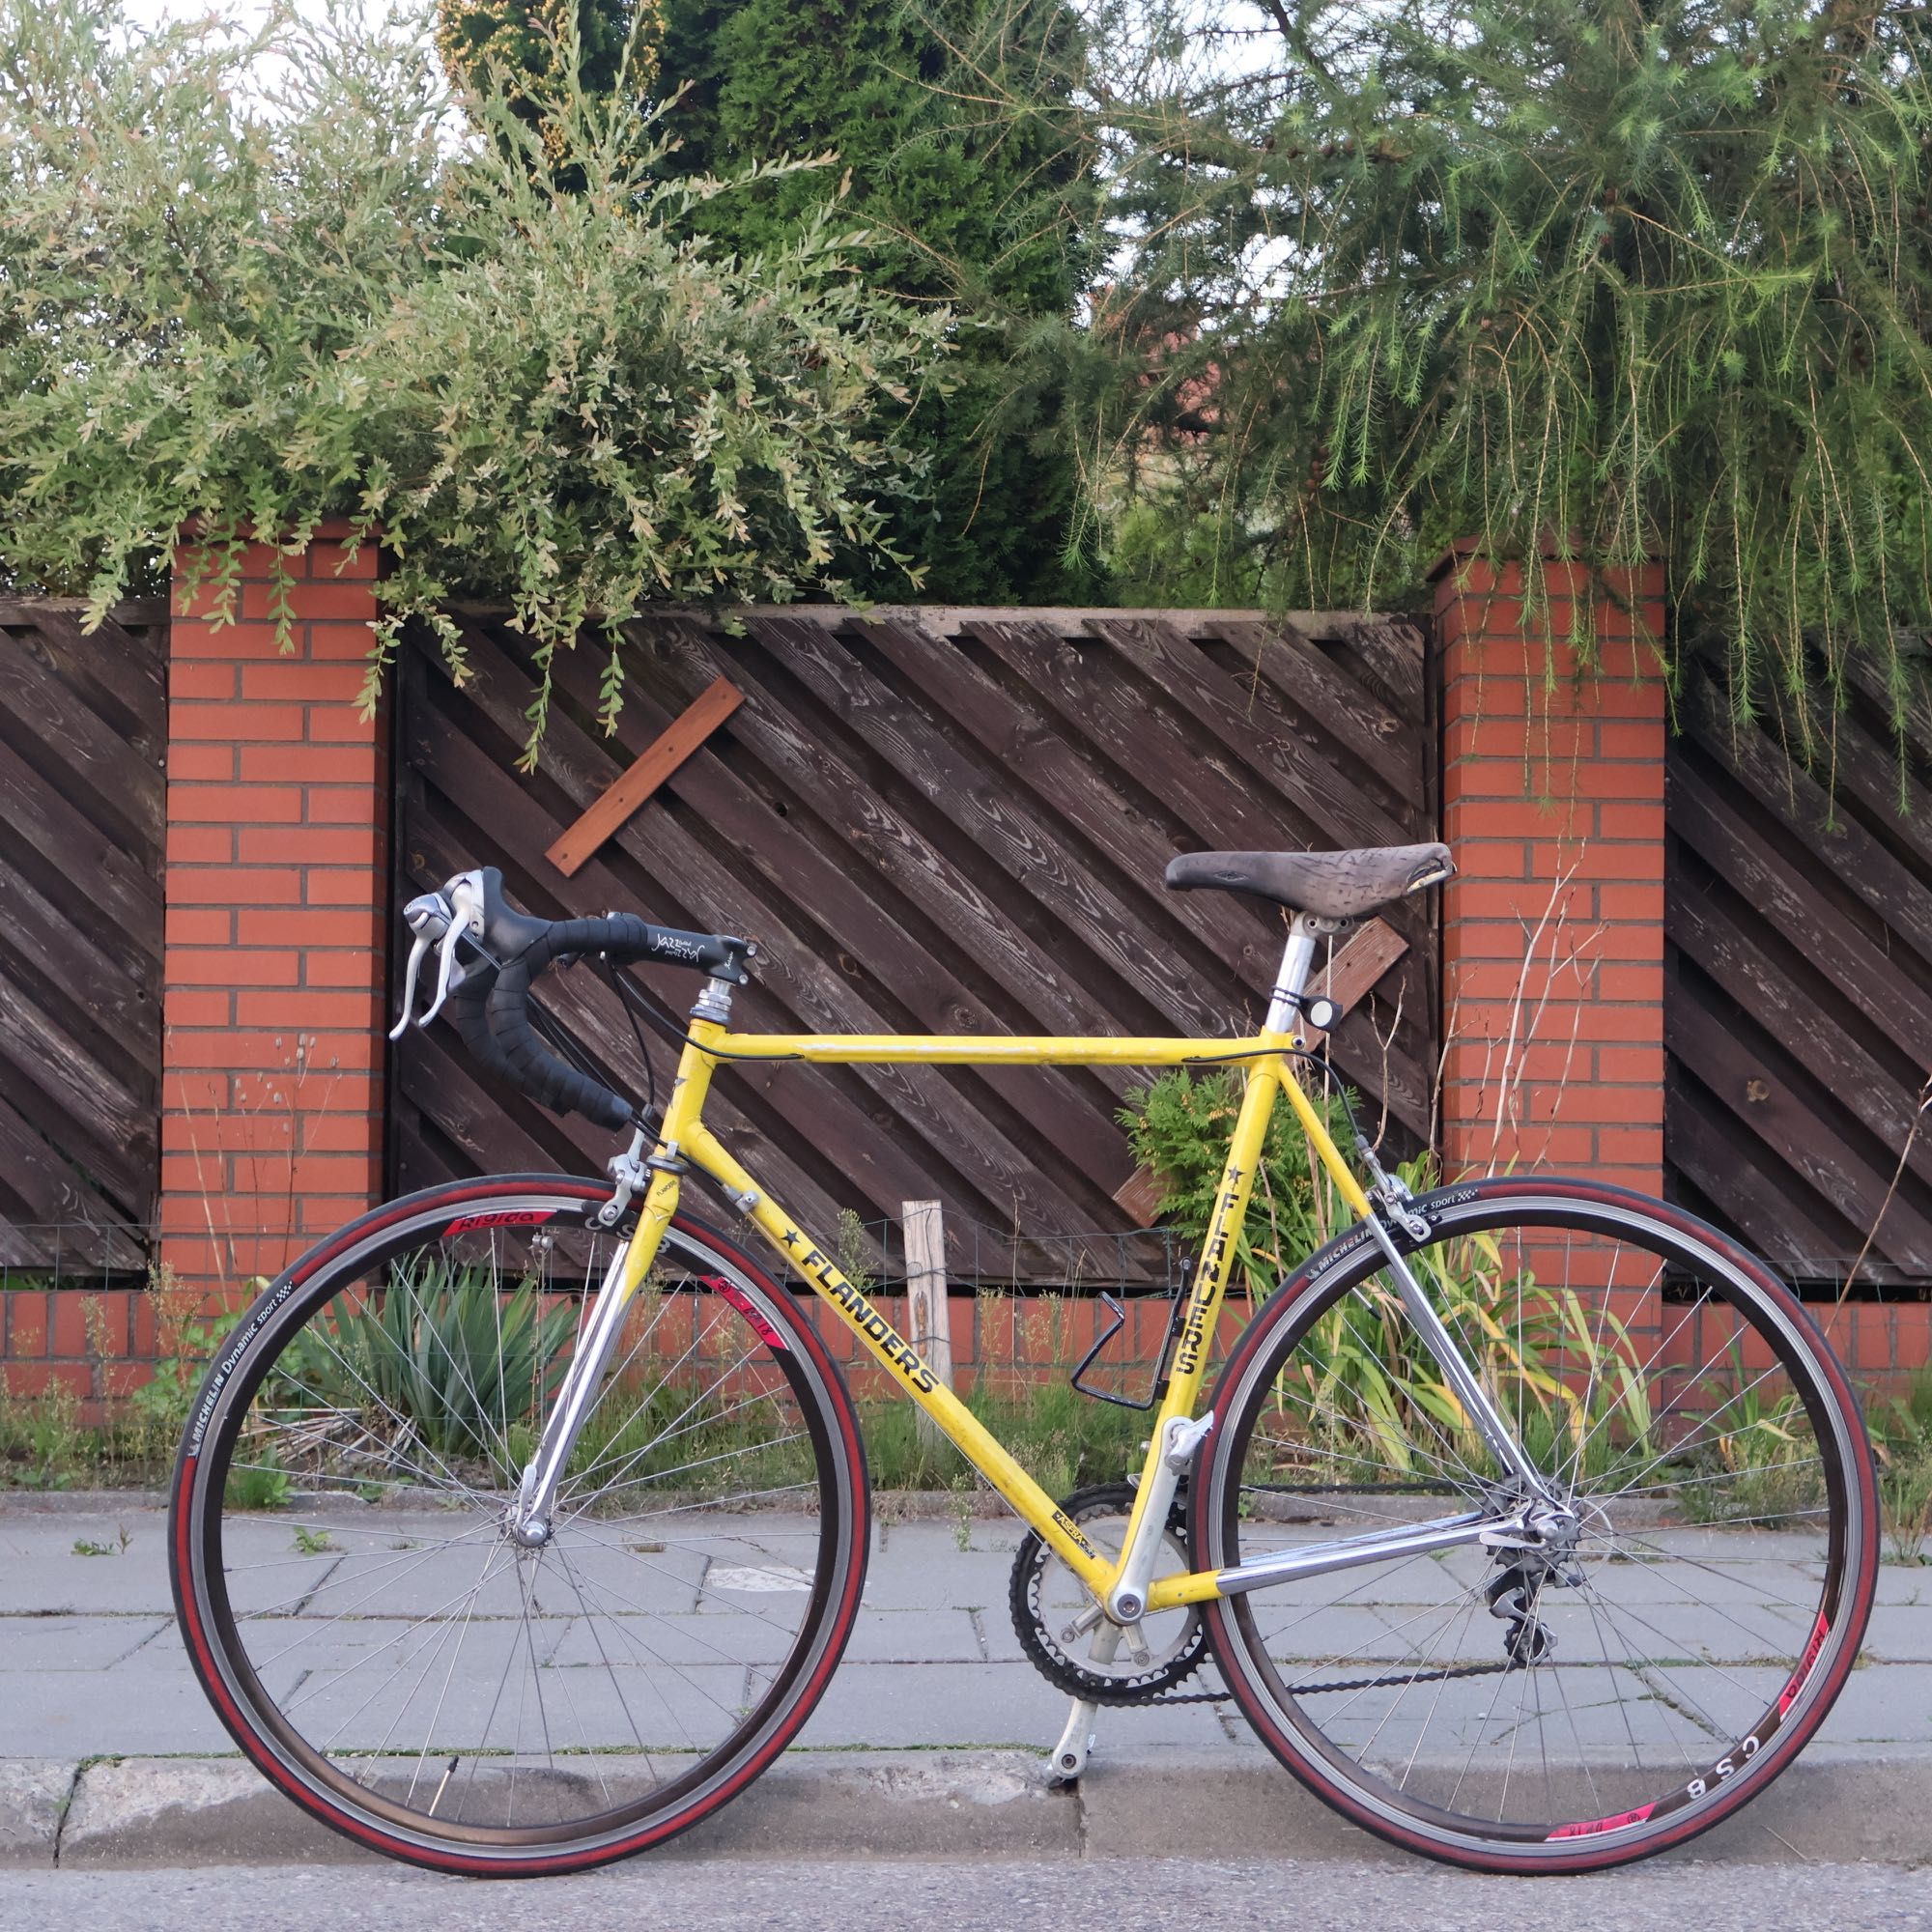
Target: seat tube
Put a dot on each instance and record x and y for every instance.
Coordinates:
(1178, 1432)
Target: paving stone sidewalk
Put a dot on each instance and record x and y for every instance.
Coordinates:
(92, 1668)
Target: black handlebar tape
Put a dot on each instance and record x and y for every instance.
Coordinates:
(464, 1008)
(534, 1069)
(491, 1009)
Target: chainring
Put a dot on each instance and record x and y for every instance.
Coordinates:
(1047, 1648)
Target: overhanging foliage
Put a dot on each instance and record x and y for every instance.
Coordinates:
(251, 312)
(1634, 277)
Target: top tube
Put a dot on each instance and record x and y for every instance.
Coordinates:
(988, 1049)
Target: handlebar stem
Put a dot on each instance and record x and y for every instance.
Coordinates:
(714, 1004)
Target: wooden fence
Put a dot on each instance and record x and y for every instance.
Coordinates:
(1799, 1004)
(82, 737)
(933, 821)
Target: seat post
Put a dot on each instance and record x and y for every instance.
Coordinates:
(1284, 1008)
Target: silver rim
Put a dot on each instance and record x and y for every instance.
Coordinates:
(407, 1659)
(1677, 1655)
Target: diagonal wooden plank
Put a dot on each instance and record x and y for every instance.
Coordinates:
(1023, 843)
(678, 740)
(1204, 789)
(1857, 861)
(1769, 1206)
(1393, 653)
(119, 670)
(1724, 836)
(916, 984)
(1771, 1109)
(1219, 809)
(68, 1213)
(1006, 1179)
(1046, 996)
(1026, 746)
(1345, 714)
(52, 949)
(112, 1131)
(1882, 1096)
(1296, 774)
(123, 890)
(88, 758)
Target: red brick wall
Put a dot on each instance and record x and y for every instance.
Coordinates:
(277, 882)
(1554, 928)
(95, 1344)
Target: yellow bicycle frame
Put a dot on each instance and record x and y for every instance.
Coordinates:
(684, 1137)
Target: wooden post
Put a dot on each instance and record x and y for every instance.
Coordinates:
(928, 1324)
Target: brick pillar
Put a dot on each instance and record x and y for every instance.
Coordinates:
(277, 879)
(1554, 928)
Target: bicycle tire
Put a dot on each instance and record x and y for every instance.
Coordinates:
(1420, 1732)
(355, 1399)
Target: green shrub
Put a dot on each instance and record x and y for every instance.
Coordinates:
(252, 314)
(1180, 1127)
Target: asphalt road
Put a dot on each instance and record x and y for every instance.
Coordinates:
(1110, 1895)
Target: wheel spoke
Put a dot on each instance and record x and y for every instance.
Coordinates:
(1675, 1407)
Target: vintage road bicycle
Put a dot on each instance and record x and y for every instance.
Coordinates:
(520, 1523)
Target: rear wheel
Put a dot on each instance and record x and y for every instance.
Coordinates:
(1664, 1658)
(402, 1668)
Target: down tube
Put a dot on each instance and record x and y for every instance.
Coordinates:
(961, 1427)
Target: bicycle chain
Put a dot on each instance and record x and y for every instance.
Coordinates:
(1154, 1688)
(1397, 1680)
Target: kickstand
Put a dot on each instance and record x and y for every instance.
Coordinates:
(1070, 1754)
(1076, 1741)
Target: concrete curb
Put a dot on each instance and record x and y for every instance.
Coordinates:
(1838, 1804)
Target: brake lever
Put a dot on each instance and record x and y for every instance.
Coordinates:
(428, 917)
(464, 895)
(441, 920)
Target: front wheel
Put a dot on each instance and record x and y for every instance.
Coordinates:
(382, 1646)
(1626, 1685)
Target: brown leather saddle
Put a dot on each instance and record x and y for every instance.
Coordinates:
(1329, 885)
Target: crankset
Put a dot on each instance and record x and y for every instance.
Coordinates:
(1055, 1618)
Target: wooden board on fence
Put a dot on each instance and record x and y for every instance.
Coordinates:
(1798, 1001)
(660, 760)
(942, 830)
(928, 1313)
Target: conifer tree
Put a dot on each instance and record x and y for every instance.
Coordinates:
(959, 208)
(1638, 278)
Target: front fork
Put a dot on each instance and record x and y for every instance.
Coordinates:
(534, 1515)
